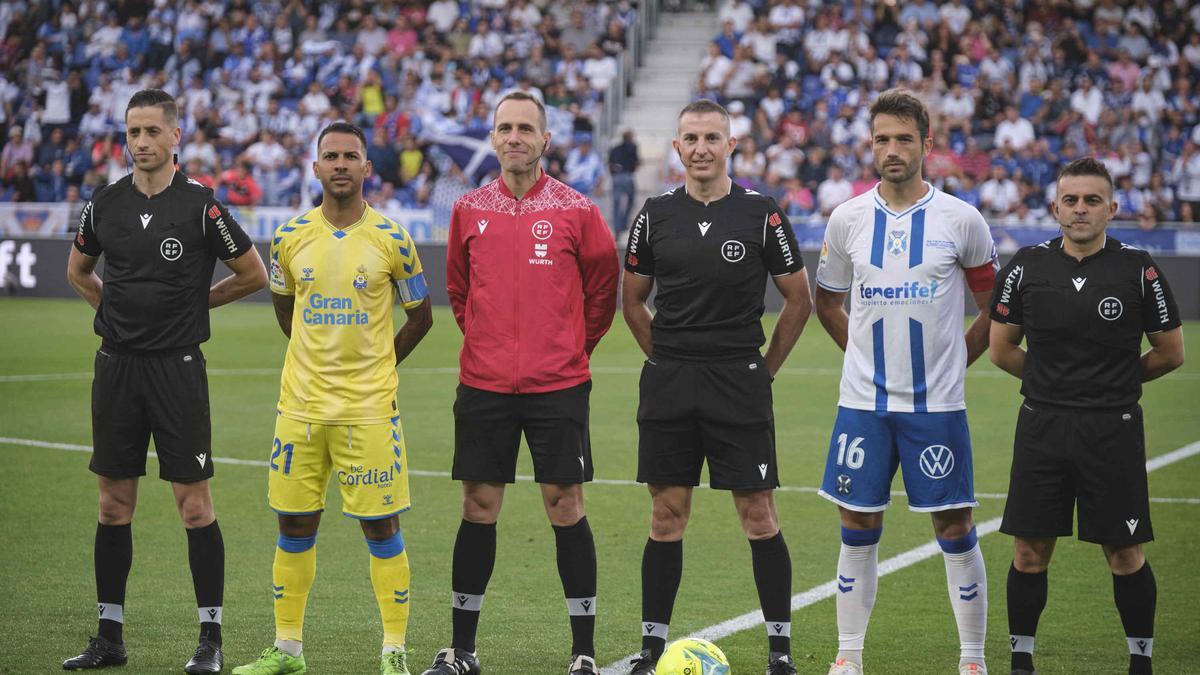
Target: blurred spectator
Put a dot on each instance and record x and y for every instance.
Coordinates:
(749, 164)
(17, 184)
(239, 186)
(1187, 176)
(583, 168)
(623, 163)
(1014, 131)
(833, 191)
(999, 194)
(16, 151)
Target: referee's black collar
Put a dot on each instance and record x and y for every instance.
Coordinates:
(1110, 244)
(734, 189)
(177, 180)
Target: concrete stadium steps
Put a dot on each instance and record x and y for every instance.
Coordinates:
(663, 85)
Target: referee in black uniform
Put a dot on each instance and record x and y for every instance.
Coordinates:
(1082, 302)
(161, 234)
(705, 391)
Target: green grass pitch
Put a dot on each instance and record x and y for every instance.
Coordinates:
(48, 507)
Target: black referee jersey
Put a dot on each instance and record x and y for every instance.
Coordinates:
(710, 264)
(159, 255)
(1083, 320)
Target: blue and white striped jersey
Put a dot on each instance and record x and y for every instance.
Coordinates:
(904, 274)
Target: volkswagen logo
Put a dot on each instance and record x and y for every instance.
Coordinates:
(937, 461)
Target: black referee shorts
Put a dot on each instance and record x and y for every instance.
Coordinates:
(1095, 457)
(719, 411)
(488, 427)
(138, 395)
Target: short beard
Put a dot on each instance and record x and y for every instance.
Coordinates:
(909, 172)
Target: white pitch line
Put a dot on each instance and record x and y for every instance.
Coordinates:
(32, 443)
(448, 370)
(893, 564)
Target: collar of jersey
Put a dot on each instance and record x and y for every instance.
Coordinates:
(718, 199)
(174, 177)
(920, 203)
(1063, 251)
(343, 232)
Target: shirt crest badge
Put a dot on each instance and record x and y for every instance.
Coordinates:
(897, 242)
(360, 279)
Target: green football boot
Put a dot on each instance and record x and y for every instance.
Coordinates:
(274, 661)
(394, 663)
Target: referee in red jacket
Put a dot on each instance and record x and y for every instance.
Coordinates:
(531, 271)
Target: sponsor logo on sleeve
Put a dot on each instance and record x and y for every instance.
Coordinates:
(276, 274)
(635, 236)
(1006, 293)
(789, 257)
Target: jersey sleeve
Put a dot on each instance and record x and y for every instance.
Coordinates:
(1006, 306)
(1159, 311)
(458, 268)
(639, 256)
(86, 241)
(599, 269)
(407, 271)
(978, 250)
(780, 251)
(835, 271)
(222, 233)
(281, 279)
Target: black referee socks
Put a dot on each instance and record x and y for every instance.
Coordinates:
(662, 569)
(577, 569)
(206, 557)
(1026, 599)
(773, 577)
(113, 558)
(474, 558)
(1136, 596)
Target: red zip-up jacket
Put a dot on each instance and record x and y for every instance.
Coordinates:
(533, 286)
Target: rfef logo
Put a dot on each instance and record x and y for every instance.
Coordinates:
(542, 229)
(1110, 309)
(171, 249)
(733, 250)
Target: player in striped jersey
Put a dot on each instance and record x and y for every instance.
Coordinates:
(904, 252)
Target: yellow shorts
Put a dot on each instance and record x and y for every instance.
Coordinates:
(368, 459)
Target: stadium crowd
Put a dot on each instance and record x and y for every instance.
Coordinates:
(1017, 88)
(257, 81)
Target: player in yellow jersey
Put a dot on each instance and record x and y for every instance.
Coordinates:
(336, 272)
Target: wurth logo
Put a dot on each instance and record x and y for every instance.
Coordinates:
(1010, 283)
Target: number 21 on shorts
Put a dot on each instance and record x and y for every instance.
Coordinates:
(278, 448)
(850, 456)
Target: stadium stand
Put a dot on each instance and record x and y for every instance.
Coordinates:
(1016, 89)
(256, 81)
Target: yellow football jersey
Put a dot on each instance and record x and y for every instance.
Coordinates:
(341, 364)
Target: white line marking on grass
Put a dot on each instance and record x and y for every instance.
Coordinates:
(804, 489)
(599, 370)
(893, 564)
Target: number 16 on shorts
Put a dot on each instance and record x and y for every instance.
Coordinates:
(867, 447)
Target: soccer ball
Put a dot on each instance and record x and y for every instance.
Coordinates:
(692, 656)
